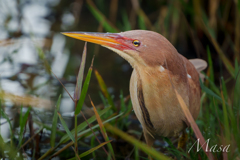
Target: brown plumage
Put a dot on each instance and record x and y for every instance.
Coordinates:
(156, 67)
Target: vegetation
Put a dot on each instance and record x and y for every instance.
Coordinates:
(206, 29)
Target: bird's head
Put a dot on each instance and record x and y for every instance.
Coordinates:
(138, 47)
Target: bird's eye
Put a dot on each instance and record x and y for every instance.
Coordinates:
(136, 43)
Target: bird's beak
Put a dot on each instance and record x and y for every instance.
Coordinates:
(113, 40)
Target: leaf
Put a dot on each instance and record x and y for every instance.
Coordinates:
(54, 123)
(70, 135)
(91, 150)
(84, 90)
(78, 88)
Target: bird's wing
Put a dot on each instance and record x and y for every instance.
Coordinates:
(200, 65)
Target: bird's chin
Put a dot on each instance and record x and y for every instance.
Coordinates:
(124, 54)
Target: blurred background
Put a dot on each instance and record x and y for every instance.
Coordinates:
(31, 44)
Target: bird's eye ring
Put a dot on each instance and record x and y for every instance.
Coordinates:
(136, 43)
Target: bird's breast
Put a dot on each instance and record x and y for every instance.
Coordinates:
(155, 103)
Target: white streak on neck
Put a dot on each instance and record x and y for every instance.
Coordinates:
(161, 68)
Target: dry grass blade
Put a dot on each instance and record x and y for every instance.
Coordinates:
(80, 74)
(82, 126)
(237, 31)
(225, 60)
(26, 100)
(31, 138)
(76, 153)
(141, 13)
(99, 120)
(7, 42)
(193, 125)
(113, 10)
(63, 86)
(93, 132)
(47, 153)
(80, 135)
(104, 89)
(102, 84)
(104, 133)
(84, 90)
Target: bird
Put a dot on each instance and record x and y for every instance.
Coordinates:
(158, 69)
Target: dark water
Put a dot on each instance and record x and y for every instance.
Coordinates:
(29, 37)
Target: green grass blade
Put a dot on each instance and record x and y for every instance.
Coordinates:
(23, 121)
(91, 150)
(80, 74)
(221, 54)
(224, 89)
(225, 119)
(126, 23)
(101, 18)
(238, 6)
(213, 86)
(97, 125)
(70, 135)
(208, 91)
(83, 125)
(9, 122)
(123, 106)
(141, 23)
(150, 151)
(54, 123)
(210, 64)
(46, 154)
(236, 69)
(60, 133)
(5, 149)
(92, 145)
(84, 90)
(80, 136)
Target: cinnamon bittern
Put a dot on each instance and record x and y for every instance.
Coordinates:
(157, 67)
